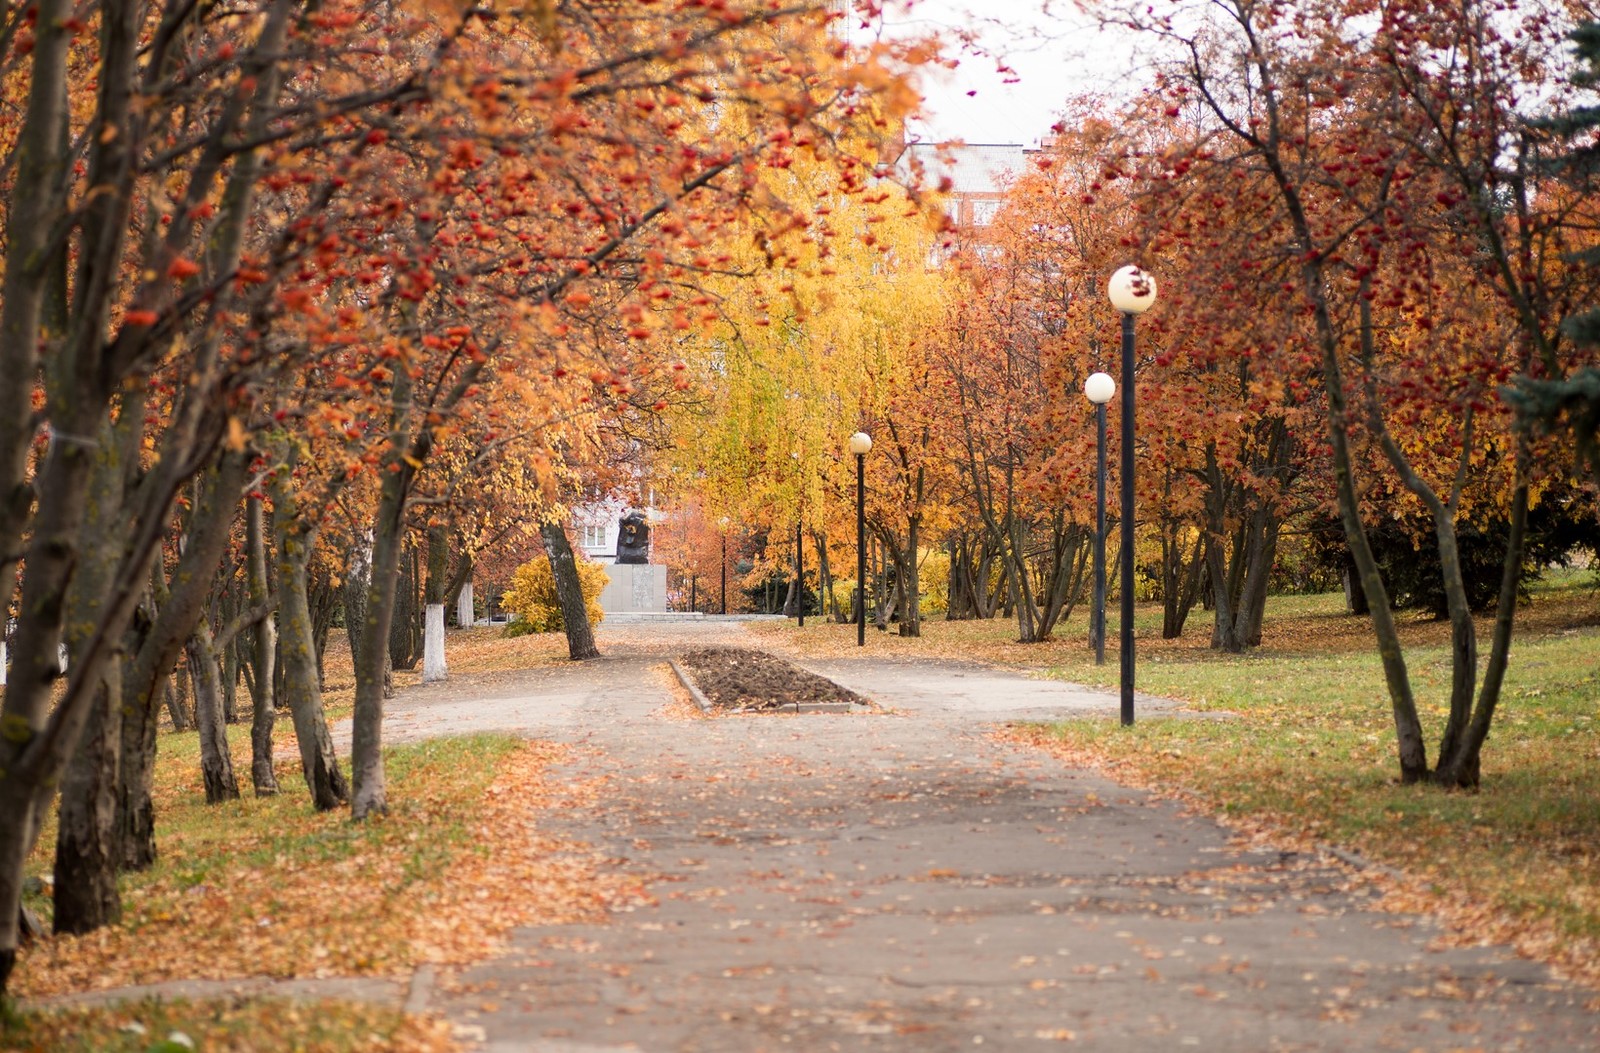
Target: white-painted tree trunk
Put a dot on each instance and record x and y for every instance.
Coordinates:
(433, 644)
(464, 615)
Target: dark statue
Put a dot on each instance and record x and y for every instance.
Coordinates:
(633, 539)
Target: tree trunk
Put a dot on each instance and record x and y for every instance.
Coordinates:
(1413, 753)
(216, 761)
(1218, 496)
(1459, 766)
(302, 685)
(1180, 580)
(1355, 597)
(369, 794)
(433, 663)
(264, 649)
(911, 613)
(958, 594)
(136, 817)
(357, 579)
(438, 567)
(1067, 574)
(830, 603)
(458, 590)
(1253, 601)
(228, 671)
(569, 591)
(177, 704)
(40, 732)
(87, 856)
(179, 609)
(405, 636)
(322, 597)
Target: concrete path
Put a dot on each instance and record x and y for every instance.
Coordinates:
(905, 882)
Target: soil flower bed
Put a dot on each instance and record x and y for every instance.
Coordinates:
(734, 678)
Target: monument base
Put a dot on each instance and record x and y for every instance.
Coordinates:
(635, 588)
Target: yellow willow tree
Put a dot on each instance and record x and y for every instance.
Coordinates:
(818, 336)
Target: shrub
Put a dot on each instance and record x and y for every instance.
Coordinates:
(933, 582)
(532, 597)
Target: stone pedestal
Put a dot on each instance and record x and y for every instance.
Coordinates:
(635, 587)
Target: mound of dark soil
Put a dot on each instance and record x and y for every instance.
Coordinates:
(736, 678)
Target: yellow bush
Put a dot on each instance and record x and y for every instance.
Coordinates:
(532, 596)
(933, 582)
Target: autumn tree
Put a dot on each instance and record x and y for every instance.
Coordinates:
(815, 331)
(221, 151)
(1380, 152)
(137, 158)
(1565, 148)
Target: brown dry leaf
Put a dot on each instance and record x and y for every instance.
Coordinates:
(359, 915)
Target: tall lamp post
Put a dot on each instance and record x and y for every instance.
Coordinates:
(799, 548)
(723, 522)
(860, 443)
(1131, 292)
(800, 573)
(1099, 388)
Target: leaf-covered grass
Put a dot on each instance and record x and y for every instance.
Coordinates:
(1298, 734)
(479, 653)
(227, 1026)
(265, 886)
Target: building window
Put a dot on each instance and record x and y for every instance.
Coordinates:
(594, 536)
(983, 212)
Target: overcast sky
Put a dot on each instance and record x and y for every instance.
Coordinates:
(1055, 55)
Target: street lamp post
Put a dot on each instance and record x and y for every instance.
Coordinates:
(800, 573)
(1099, 388)
(860, 443)
(1131, 292)
(723, 522)
(799, 547)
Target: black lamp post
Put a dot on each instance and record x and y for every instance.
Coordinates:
(1099, 388)
(1131, 291)
(723, 522)
(860, 443)
(800, 573)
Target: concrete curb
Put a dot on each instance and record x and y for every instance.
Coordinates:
(695, 693)
(376, 990)
(420, 989)
(706, 706)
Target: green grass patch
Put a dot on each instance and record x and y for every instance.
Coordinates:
(1300, 732)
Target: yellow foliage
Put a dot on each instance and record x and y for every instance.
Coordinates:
(933, 582)
(532, 596)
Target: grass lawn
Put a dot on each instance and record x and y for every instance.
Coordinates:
(265, 886)
(1298, 736)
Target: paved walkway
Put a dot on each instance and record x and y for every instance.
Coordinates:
(905, 882)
